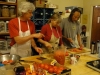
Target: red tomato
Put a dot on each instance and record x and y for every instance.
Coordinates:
(10, 61)
(46, 67)
(50, 70)
(42, 65)
(34, 73)
(5, 62)
(66, 54)
(80, 48)
(61, 68)
(55, 69)
(58, 71)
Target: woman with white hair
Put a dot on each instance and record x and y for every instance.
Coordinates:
(22, 31)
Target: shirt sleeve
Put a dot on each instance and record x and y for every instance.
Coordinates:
(46, 31)
(13, 29)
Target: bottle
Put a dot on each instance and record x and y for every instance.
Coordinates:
(92, 48)
(19, 70)
(99, 49)
(98, 46)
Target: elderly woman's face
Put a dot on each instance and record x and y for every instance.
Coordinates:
(28, 15)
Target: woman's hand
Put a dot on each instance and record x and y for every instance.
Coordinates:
(38, 35)
(70, 40)
(39, 50)
(47, 44)
(81, 46)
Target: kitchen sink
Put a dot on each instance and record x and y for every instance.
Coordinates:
(95, 64)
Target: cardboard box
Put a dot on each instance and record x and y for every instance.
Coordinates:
(69, 9)
(39, 3)
(51, 6)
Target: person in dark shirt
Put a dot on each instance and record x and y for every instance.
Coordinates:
(83, 33)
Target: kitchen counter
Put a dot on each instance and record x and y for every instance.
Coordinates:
(79, 68)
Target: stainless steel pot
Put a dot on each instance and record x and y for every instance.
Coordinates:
(7, 57)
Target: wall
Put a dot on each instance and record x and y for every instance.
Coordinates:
(88, 7)
(20, 1)
(65, 3)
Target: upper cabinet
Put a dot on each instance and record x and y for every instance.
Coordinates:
(41, 17)
(8, 10)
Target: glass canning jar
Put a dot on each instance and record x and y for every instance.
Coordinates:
(5, 11)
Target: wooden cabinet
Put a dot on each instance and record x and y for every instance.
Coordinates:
(11, 12)
(9, 17)
(41, 17)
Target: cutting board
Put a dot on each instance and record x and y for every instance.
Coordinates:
(77, 51)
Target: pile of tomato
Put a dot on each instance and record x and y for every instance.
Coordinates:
(51, 68)
(42, 68)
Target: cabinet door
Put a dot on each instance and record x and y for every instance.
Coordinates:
(41, 16)
(95, 32)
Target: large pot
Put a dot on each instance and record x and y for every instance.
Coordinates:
(8, 57)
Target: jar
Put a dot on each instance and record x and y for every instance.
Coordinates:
(12, 11)
(19, 70)
(5, 11)
(0, 11)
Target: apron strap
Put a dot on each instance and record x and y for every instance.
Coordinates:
(20, 24)
(53, 32)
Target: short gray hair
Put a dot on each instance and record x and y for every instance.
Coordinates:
(24, 7)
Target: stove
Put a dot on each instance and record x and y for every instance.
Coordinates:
(95, 64)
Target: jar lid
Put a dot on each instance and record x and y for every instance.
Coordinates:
(12, 6)
(4, 6)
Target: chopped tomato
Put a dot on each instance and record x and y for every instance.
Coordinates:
(5, 62)
(10, 61)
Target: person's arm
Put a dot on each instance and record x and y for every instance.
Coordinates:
(21, 40)
(79, 41)
(39, 50)
(69, 39)
(45, 30)
(47, 44)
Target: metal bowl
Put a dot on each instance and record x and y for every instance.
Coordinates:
(7, 57)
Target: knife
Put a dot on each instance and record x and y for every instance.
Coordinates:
(74, 44)
(27, 61)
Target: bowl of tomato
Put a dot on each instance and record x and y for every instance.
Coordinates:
(9, 59)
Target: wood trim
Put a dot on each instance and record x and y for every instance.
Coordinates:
(8, 3)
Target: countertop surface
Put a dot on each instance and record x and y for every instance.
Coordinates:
(79, 68)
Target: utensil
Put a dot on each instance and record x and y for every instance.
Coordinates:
(27, 61)
(7, 57)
